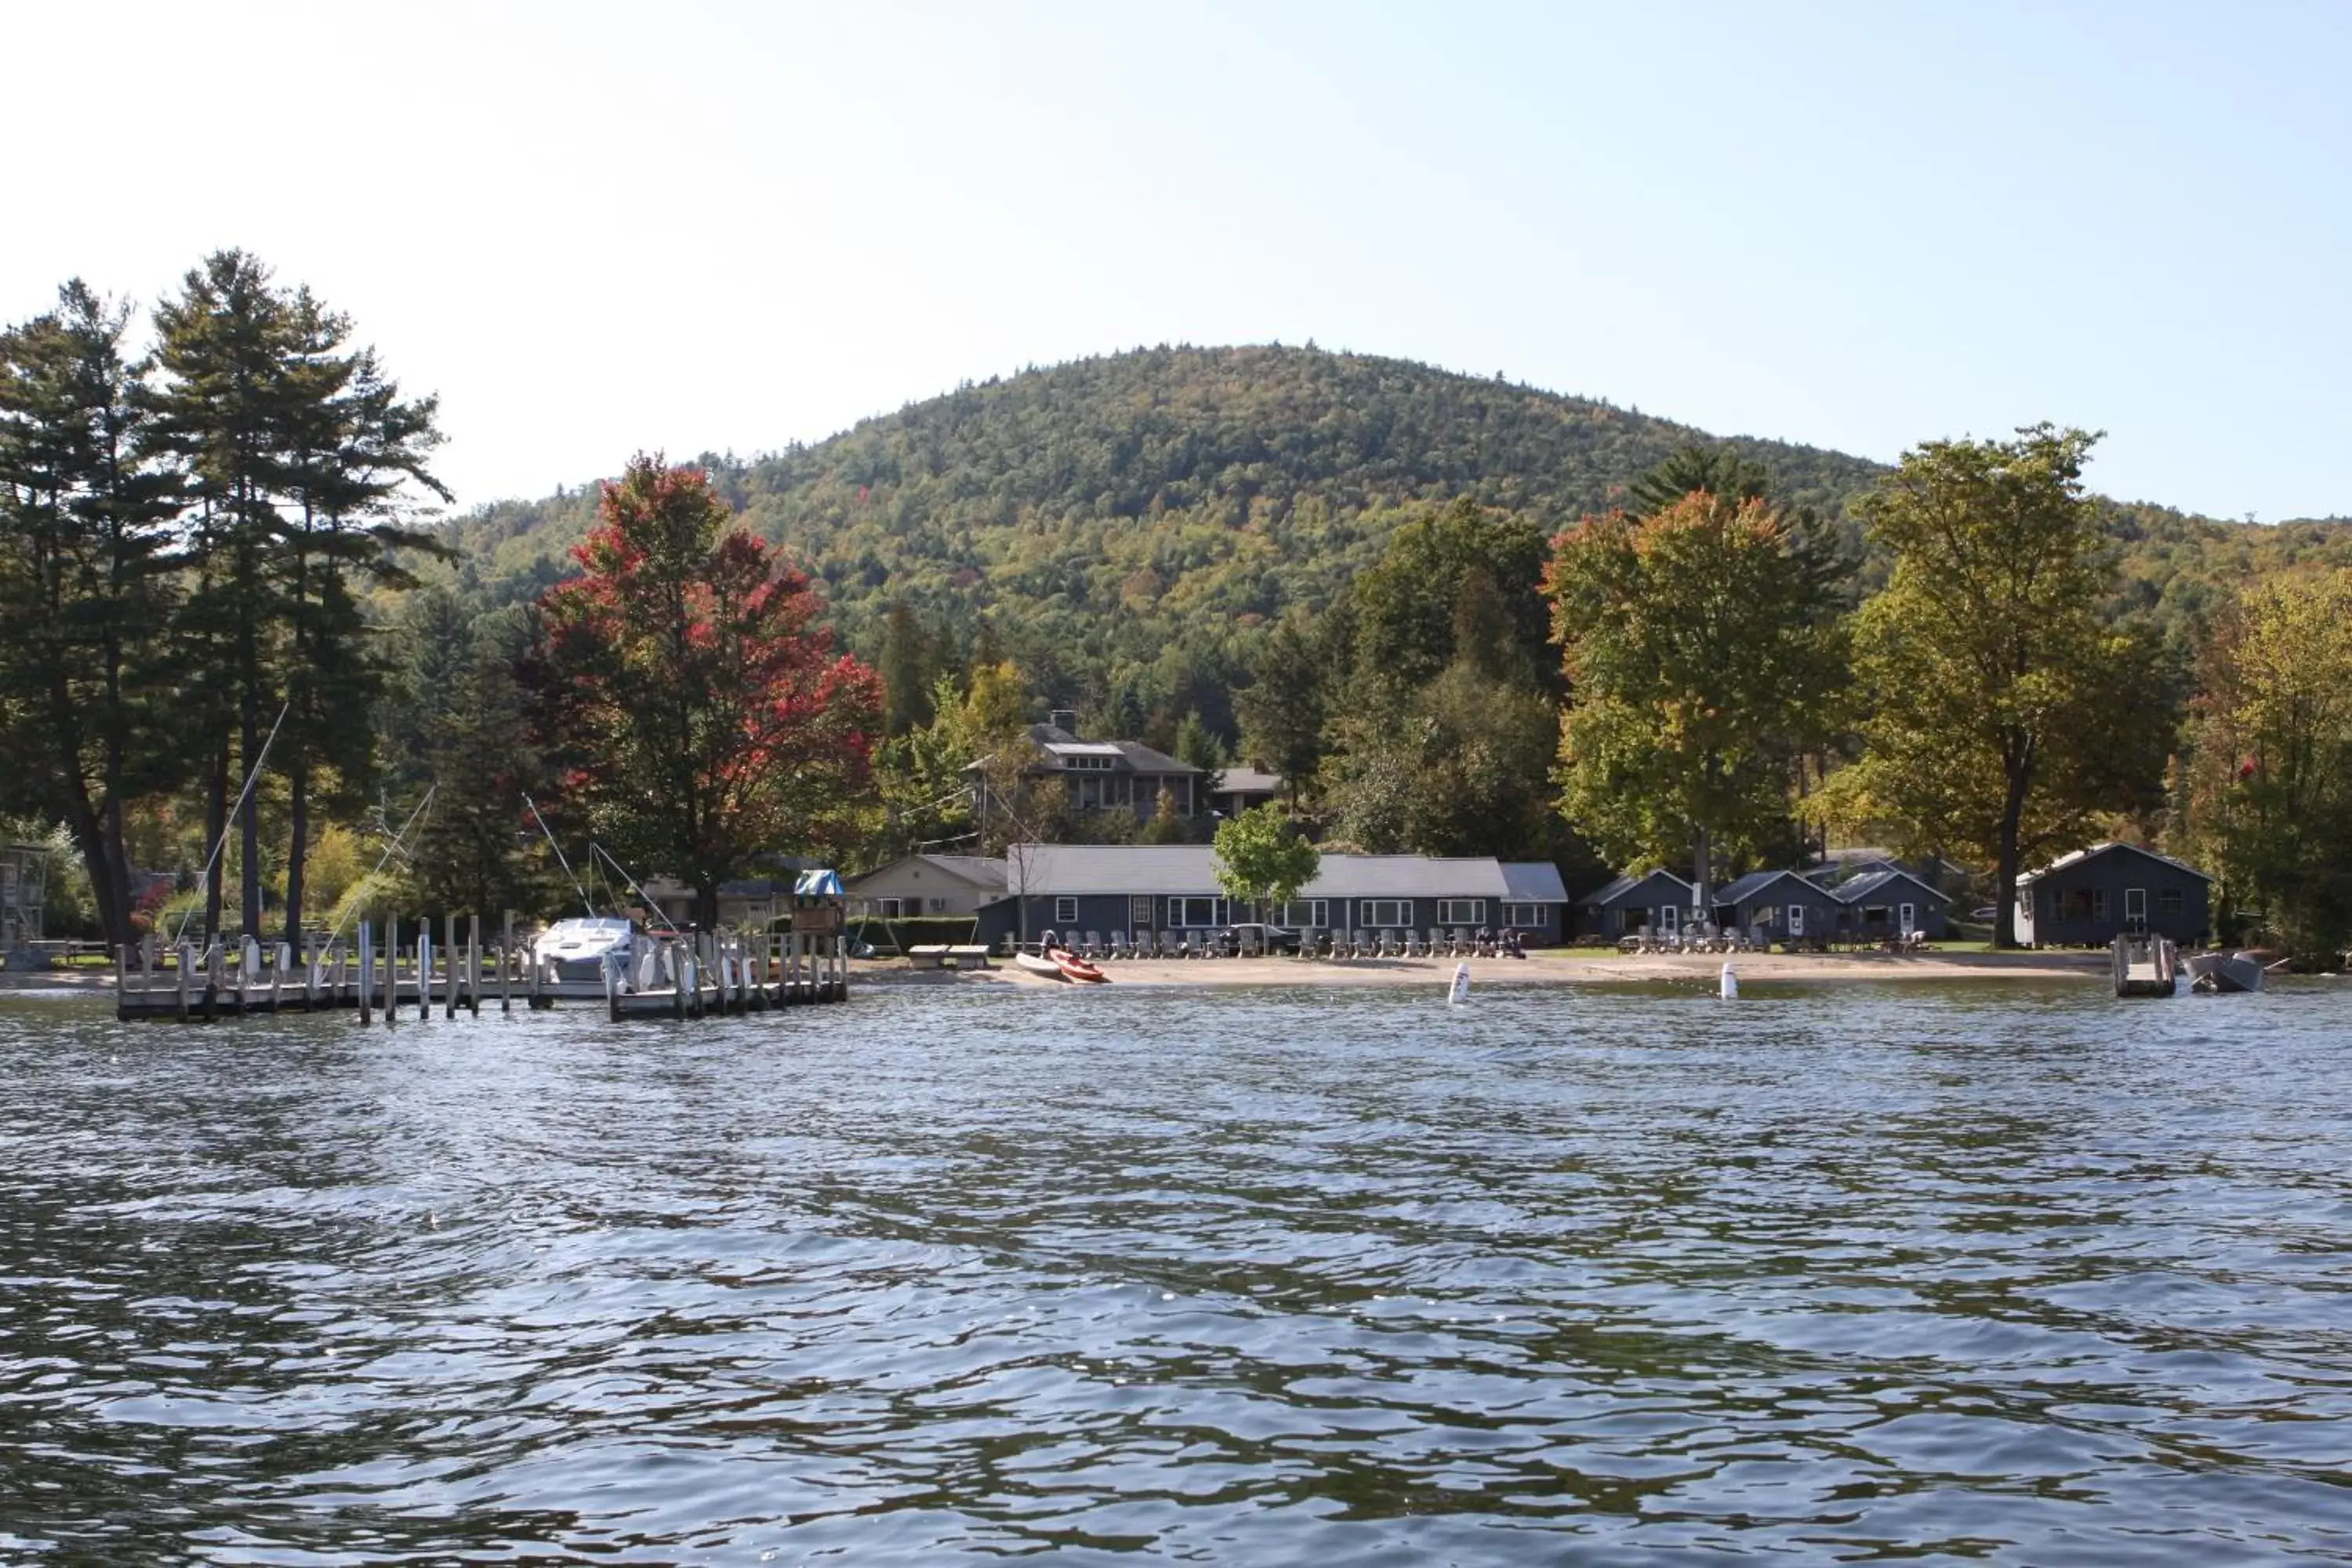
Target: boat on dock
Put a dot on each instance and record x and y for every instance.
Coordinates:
(2224, 974)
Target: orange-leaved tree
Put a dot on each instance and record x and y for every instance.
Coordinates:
(701, 713)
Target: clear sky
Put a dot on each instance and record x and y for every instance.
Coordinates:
(597, 228)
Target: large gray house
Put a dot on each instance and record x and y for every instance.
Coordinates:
(1106, 888)
(1101, 775)
(2089, 898)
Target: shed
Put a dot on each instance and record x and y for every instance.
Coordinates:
(2090, 897)
(1779, 906)
(1890, 902)
(1655, 900)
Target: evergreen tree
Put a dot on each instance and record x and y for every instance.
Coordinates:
(908, 672)
(1283, 712)
(85, 586)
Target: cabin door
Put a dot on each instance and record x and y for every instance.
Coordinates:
(1906, 915)
(1796, 920)
(2136, 911)
(1669, 920)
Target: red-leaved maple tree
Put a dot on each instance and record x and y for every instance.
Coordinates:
(701, 714)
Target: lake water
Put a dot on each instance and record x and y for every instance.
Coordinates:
(2024, 1275)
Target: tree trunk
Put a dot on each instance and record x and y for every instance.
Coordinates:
(706, 905)
(215, 827)
(1701, 864)
(250, 831)
(298, 828)
(2012, 815)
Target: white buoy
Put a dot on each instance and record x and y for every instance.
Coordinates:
(1461, 988)
(1728, 988)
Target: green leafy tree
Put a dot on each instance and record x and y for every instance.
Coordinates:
(2271, 788)
(1456, 767)
(1703, 654)
(86, 588)
(1260, 856)
(1282, 710)
(1462, 572)
(2003, 718)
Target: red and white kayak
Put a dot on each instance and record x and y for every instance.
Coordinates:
(1073, 967)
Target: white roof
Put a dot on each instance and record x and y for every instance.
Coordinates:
(1406, 877)
(2079, 855)
(1534, 882)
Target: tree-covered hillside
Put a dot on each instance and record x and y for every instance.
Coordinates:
(1126, 526)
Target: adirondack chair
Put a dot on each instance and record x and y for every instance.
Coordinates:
(1249, 942)
(1412, 943)
(1091, 948)
(1117, 943)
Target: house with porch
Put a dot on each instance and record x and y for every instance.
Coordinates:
(1778, 906)
(1889, 903)
(1237, 789)
(2091, 896)
(1097, 775)
(1654, 900)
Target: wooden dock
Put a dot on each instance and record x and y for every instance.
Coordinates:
(2144, 966)
(711, 974)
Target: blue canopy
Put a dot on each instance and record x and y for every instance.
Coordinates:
(820, 884)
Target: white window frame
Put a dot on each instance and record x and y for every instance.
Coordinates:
(1179, 911)
(1906, 918)
(1452, 911)
(1368, 911)
(1525, 917)
(2170, 901)
(1138, 911)
(1306, 914)
(2139, 896)
(1796, 920)
(1066, 910)
(1670, 918)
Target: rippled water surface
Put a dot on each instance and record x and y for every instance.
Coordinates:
(2025, 1276)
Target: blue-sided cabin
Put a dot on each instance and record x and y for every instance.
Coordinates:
(1891, 902)
(1173, 890)
(2090, 897)
(1778, 906)
(1535, 902)
(1656, 901)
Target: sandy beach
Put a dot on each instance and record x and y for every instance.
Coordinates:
(1578, 966)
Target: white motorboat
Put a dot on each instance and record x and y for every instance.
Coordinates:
(2223, 973)
(574, 951)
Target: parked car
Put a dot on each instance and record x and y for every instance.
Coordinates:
(1272, 939)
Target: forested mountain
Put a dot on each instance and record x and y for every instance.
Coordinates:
(1124, 526)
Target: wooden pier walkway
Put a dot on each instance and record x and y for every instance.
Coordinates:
(712, 974)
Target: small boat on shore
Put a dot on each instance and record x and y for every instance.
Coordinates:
(2223, 973)
(1060, 963)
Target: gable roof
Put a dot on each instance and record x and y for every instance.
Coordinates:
(2068, 861)
(1854, 890)
(1246, 781)
(1628, 882)
(979, 870)
(1533, 882)
(1742, 890)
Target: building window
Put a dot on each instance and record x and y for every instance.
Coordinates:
(2167, 901)
(1066, 912)
(1195, 913)
(1138, 909)
(1384, 913)
(1306, 913)
(1461, 911)
(1525, 917)
(2098, 903)
(895, 909)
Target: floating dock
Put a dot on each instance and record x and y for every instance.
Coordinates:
(708, 974)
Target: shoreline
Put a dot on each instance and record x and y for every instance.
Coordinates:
(1551, 966)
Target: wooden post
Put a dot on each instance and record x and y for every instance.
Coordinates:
(391, 970)
(505, 963)
(449, 964)
(424, 967)
(186, 961)
(677, 978)
(474, 965)
(367, 970)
